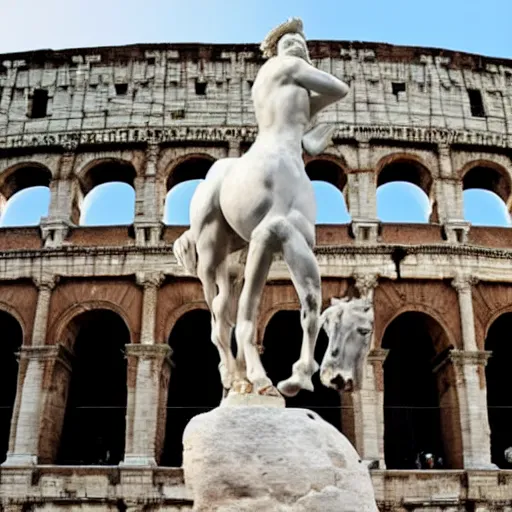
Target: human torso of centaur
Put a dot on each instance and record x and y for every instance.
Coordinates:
(270, 181)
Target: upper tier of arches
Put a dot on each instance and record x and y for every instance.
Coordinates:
(121, 187)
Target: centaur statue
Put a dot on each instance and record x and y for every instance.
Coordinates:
(264, 202)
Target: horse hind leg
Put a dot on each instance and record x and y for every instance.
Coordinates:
(305, 274)
(259, 259)
(222, 325)
(213, 249)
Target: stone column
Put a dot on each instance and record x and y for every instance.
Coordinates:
(449, 200)
(150, 364)
(361, 197)
(26, 421)
(363, 409)
(148, 378)
(150, 284)
(65, 197)
(463, 283)
(149, 201)
(469, 367)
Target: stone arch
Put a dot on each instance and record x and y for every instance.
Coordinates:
(191, 166)
(94, 397)
(408, 168)
(194, 362)
(109, 171)
(183, 177)
(7, 308)
(64, 330)
(21, 177)
(449, 340)
(497, 372)
(493, 317)
(102, 170)
(12, 341)
(267, 315)
(405, 167)
(329, 178)
(178, 312)
(489, 176)
(421, 408)
(329, 168)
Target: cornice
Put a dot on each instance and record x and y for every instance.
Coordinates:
(341, 250)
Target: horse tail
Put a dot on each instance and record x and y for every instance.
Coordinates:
(184, 249)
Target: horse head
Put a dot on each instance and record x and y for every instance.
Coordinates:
(349, 326)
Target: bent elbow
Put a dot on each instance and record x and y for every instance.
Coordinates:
(341, 89)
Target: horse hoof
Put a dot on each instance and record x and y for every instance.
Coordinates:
(269, 391)
(242, 386)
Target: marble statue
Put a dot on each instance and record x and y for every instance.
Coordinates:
(264, 201)
(349, 327)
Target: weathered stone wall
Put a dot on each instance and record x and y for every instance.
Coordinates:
(140, 113)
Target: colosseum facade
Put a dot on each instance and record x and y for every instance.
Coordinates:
(101, 327)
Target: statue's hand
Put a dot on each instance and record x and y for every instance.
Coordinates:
(318, 138)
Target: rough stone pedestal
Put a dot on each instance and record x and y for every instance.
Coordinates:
(254, 458)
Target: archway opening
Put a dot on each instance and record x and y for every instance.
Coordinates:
(329, 180)
(331, 207)
(12, 338)
(194, 386)
(109, 193)
(485, 196)
(282, 342)
(403, 189)
(499, 399)
(94, 422)
(24, 196)
(413, 424)
(181, 185)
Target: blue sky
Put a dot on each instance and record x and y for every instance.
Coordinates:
(466, 25)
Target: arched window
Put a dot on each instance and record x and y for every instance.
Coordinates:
(486, 193)
(181, 185)
(499, 398)
(25, 195)
(329, 181)
(108, 187)
(194, 386)
(282, 343)
(11, 341)
(420, 399)
(94, 423)
(403, 189)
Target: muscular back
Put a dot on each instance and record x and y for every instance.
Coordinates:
(280, 103)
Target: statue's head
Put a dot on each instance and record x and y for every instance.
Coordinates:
(286, 39)
(349, 326)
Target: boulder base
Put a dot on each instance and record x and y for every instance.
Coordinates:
(256, 458)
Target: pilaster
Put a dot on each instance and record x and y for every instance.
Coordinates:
(363, 412)
(38, 414)
(150, 282)
(149, 201)
(65, 197)
(469, 377)
(45, 285)
(148, 381)
(463, 284)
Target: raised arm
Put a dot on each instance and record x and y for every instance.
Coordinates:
(325, 89)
